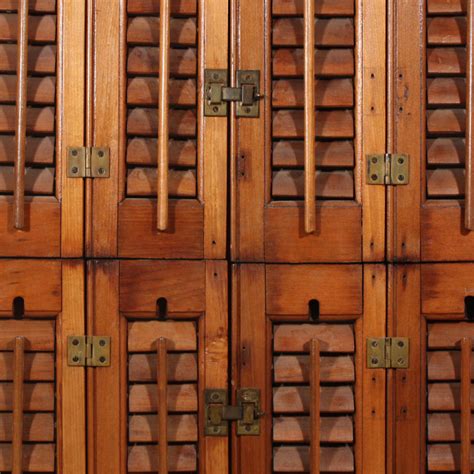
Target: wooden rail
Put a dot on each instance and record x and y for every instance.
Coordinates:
(163, 122)
(315, 411)
(309, 120)
(18, 396)
(20, 122)
(162, 380)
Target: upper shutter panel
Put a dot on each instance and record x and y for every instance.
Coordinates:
(298, 178)
(34, 97)
(166, 197)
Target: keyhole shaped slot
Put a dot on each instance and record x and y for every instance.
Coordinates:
(162, 308)
(313, 309)
(18, 308)
(469, 307)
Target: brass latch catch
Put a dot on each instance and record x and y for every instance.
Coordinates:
(246, 413)
(88, 162)
(218, 94)
(88, 351)
(388, 353)
(388, 169)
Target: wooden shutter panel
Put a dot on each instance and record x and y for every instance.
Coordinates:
(431, 408)
(191, 184)
(41, 211)
(41, 304)
(273, 175)
(279, 310)
(180, 307)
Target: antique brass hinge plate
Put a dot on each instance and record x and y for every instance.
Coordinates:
(218, 94)
(388, 353)
(246, 413)
(88, 162)
(388, 169)
(88, 351)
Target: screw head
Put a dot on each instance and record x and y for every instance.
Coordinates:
(75, 342)
(74, 152)
(401, 343)
(375, 343)
(401, 161)
(74, 169)
(75, 359)
(102, 343)
(215, 109)
(374, 177)
(101, 154)
(401, 361)
(101, 171)
(375, 361)
(102, 359)
(401, 177)
(374, 160)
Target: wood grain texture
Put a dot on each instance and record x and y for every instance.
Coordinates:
(163, 121)
(22, 35)
(469, 185)
(310, 193)
(18, 403)
(71, 419)
(290, 288)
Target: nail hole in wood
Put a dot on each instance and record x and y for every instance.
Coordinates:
(18, 308)
(313, 307)
(162, 308)
(469, 307)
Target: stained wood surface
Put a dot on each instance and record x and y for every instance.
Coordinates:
(331, 62)
(41, 29)
(323, 7)
(182, 458)
(329, 185)
(296, 459)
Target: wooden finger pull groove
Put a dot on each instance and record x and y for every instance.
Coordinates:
(162, 381)
(163, 124)
(18, 396)
(469, 184)
(20, 122)
(466, 350)
(309, 120)
(315, 407)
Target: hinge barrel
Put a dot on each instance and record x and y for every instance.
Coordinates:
(88, 351)
(88, 162)
(388, 169)
(388, 353)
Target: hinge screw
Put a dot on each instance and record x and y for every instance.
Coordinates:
(375, 361)
(374, 344)
(400, 344)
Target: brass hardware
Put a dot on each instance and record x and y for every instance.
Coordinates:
(88, 162)
(246, 413)
(388, 169)
(88, 351)
(217, 93)
(388, 353)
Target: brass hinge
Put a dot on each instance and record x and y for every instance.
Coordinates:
(88, 351)
(219, 413)
(388, 169)
(218, 94)
(388, 353)
(88, 162)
